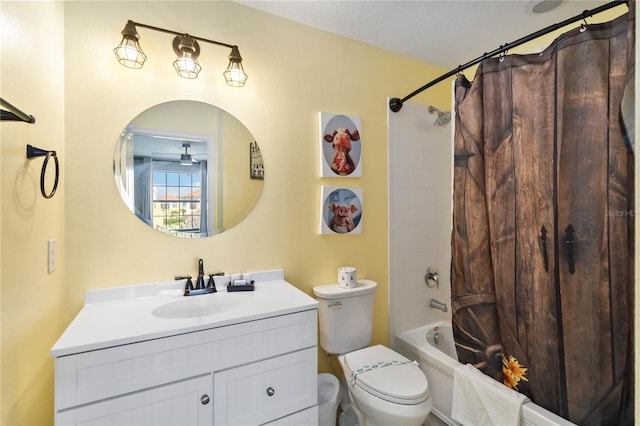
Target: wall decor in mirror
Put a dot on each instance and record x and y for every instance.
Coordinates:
(181, 167)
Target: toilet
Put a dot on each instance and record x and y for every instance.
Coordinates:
(384, 387)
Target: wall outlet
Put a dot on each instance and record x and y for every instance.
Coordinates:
(51, 255)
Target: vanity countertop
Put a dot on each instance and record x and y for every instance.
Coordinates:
(121, 315)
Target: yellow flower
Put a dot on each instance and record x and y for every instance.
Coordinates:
(512, 371)
(509, 379)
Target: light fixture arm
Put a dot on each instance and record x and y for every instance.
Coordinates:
(163, 30)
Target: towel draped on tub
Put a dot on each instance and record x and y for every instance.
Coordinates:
(479, 400)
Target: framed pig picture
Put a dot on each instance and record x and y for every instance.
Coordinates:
(340, 145)
(341, 211)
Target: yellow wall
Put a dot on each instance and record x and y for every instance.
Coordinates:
(82, 99)
(32, 300)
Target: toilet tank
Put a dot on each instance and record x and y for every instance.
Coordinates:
(345, 316)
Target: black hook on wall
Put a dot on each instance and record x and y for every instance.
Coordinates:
(33, 152)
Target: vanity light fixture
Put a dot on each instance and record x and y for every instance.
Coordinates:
(188, 50)
(234, 74)
(130, 54)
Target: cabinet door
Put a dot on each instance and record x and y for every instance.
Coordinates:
(308, 417)
(187, 402)
(266, 390)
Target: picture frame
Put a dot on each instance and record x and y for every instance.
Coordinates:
(256, 164)
(340, 142)
(341, 211)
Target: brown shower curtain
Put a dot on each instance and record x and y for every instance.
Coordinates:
(542, 279)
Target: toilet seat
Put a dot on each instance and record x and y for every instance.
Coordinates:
(386, 374)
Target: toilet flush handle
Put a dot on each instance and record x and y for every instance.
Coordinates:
(337, 304)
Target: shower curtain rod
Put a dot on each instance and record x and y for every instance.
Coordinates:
(395, 104)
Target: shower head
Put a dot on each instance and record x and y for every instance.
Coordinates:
(444, 117)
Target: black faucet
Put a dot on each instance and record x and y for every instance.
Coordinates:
(200, 287)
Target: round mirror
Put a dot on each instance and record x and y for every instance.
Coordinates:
(188, 169)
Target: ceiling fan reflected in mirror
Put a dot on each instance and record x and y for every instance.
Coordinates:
(187, 158)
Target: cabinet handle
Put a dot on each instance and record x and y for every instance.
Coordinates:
(270, 391)
(204, 399)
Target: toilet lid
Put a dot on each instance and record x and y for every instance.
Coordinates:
(387, 374)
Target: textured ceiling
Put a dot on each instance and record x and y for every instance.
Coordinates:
(444, 33)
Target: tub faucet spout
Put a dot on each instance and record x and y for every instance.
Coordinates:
(438, 305)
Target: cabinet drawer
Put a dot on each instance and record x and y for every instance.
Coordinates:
(266, 390)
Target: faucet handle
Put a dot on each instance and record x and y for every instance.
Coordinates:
(189, 284)
(188, 287)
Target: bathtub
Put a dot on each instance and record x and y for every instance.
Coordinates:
(438, 360)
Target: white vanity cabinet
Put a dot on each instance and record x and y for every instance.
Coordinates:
(253, 372)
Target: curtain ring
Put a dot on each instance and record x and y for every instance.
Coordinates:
(584, 24)
(504, 52)
(43, 172)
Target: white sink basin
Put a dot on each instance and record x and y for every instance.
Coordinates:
(202, 305)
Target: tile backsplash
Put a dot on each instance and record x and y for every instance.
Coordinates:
(420, 208)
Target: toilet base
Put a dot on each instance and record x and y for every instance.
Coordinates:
(346, 420)
(373, 411)
(350, 416)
